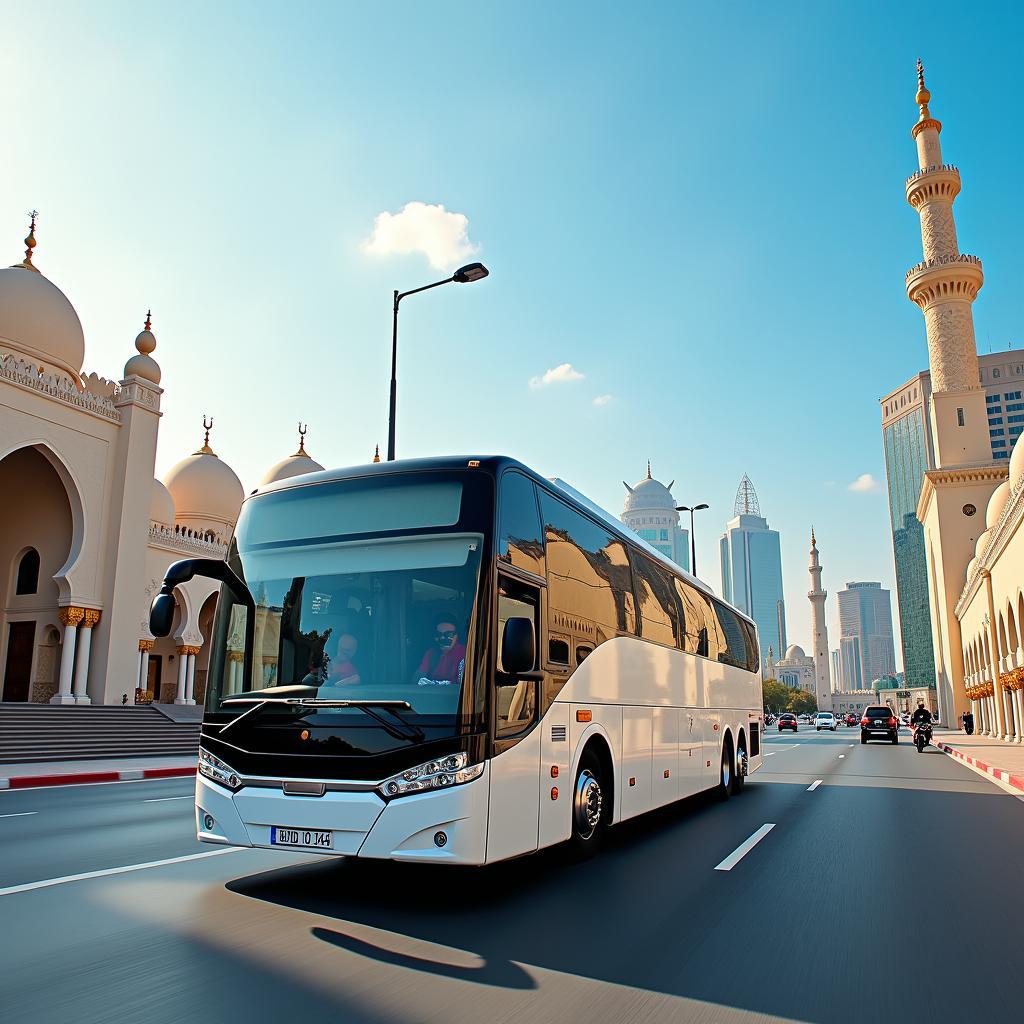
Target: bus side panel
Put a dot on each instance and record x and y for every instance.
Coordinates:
(636, 760)
(627, 670)
(556, 752)
(691, 751)
(665, 756)
(712, 747)
(512, 822)
(608, 717)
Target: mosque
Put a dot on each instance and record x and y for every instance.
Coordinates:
(86, 531)
(650, 511)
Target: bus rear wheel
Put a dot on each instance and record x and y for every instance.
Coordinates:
(725, 779)
(740, 775)
(589, 813)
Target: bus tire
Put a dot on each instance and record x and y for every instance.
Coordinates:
(590, 806)
(739, 775)
(725, 772)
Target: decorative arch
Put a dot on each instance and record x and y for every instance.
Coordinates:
(1012, 631)
(25, 569)
(1001, 635)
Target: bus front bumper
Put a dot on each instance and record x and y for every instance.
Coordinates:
(440, 826)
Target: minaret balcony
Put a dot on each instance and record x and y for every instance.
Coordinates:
(940, 181)
(943, 278)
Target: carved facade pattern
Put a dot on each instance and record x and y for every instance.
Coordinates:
(938, 230)
(181, 538)
(926, 295)
(147, 645)
(980, 691)
(931, 170)
(1013, 680)
(951, 353)
(71, 615)
(59, 387)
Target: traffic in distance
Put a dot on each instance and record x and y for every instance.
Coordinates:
(457, 661)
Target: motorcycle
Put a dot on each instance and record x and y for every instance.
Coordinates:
(922, 736)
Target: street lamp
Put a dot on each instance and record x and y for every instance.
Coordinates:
(464, 275)
(693, 540)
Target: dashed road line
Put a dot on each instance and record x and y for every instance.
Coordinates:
(738, 854)
(161, 799)
(19, 814)
(814, 785)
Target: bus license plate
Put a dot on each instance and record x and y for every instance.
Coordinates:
(301, 837)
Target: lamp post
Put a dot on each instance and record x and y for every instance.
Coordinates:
(464, 275)
(693, 539)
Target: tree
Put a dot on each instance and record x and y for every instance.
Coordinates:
(802, 703)
(776, 695)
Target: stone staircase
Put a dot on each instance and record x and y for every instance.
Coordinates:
(44, 732)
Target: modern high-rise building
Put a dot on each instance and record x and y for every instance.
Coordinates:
(909, 452)
(865, 635)
(837, 678)
(752, 569)
(650, 511)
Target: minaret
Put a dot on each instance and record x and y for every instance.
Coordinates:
(822, 676)
(944, 285)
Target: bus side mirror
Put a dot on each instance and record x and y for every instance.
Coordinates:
(518, 646)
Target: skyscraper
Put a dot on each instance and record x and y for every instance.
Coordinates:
(752, 568)
(650, 511)
(909, 452)
(865, 635)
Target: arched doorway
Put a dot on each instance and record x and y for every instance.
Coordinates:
(206, 615)
(36, 533)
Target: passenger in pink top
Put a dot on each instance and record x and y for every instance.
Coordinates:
(445, 660)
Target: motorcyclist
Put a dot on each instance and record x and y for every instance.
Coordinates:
(921, 717)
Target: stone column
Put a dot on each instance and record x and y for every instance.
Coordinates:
(70, 616)
(145, 646)
(182, 670)
(190, 673)
(91, 617)
(235, 660)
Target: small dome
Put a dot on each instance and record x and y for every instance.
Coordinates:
(649, 494)
(997, 503)
(205, 489)
(161, 505)
(979, 548)
(794, 653)
(38, 322)
(1017, 464)
(294, 465)
(144, 365)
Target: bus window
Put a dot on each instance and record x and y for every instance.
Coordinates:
(558, 651)
(733, 650)
(659, 609)
(589, 578)
(700, 627)
(516, 699)
(520, 538)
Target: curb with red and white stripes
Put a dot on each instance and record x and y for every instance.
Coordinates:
(84, 778)
(1007, 778)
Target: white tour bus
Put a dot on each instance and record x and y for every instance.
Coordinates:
(457, 661)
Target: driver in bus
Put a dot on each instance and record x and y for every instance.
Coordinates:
(341, 669)
(445, 660)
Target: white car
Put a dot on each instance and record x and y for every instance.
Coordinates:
(824, 720)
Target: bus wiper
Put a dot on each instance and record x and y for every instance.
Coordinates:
(404, 731)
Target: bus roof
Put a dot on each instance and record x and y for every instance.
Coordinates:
(495, 465)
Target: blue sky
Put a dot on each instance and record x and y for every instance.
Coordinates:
(699, 208)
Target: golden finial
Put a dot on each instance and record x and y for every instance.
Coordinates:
(206, 449)
(813, 541)
(149, 319)
(923, 95)
(302, 442)
(30, 244)
(376, 453)
(648, 469)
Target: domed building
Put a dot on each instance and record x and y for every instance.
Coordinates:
(87, 540)
(796, 669)
(294, 465)
(650, 511)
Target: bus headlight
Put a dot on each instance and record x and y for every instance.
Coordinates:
(446, 771)
(214, 768)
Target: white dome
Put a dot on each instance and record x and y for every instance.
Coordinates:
(161, 505)
(205, 488)
(1017, 464)
(649, 494)
(979, 548)
(294, 465)
(794, 653)
(996, 504)
(38, 322)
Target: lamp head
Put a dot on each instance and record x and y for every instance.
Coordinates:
(470, 272)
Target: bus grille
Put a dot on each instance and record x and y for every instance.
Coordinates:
(558, 734)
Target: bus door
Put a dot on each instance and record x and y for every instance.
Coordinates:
(512, 824)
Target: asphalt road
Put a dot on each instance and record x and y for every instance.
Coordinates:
(819, 922)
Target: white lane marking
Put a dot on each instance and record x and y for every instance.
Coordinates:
(78, 785)
(47, 882)
(161, 799)
(851, 744)
(814, 785)
(842, 755)
(20, 814)
(744, 848)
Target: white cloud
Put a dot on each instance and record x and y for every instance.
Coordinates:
(565, 373)
(430, 229)
(866, 483)
(602, 399)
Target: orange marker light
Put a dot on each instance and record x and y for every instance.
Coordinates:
(304, 735)
(554, 792)
(667, 773)
(632, 780)
(554, 771)
(584, 716)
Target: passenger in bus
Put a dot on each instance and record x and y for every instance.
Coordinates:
(445, 660)
(341, 668)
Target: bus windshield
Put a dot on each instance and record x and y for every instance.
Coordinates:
(356, 616)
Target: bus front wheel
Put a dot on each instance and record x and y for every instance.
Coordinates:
(588, 806)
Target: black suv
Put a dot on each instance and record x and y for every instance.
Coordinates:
(879, 722)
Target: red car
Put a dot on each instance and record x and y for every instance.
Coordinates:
(788, 721)
(852, 719)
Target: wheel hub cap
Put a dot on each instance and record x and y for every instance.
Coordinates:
(587, 804)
